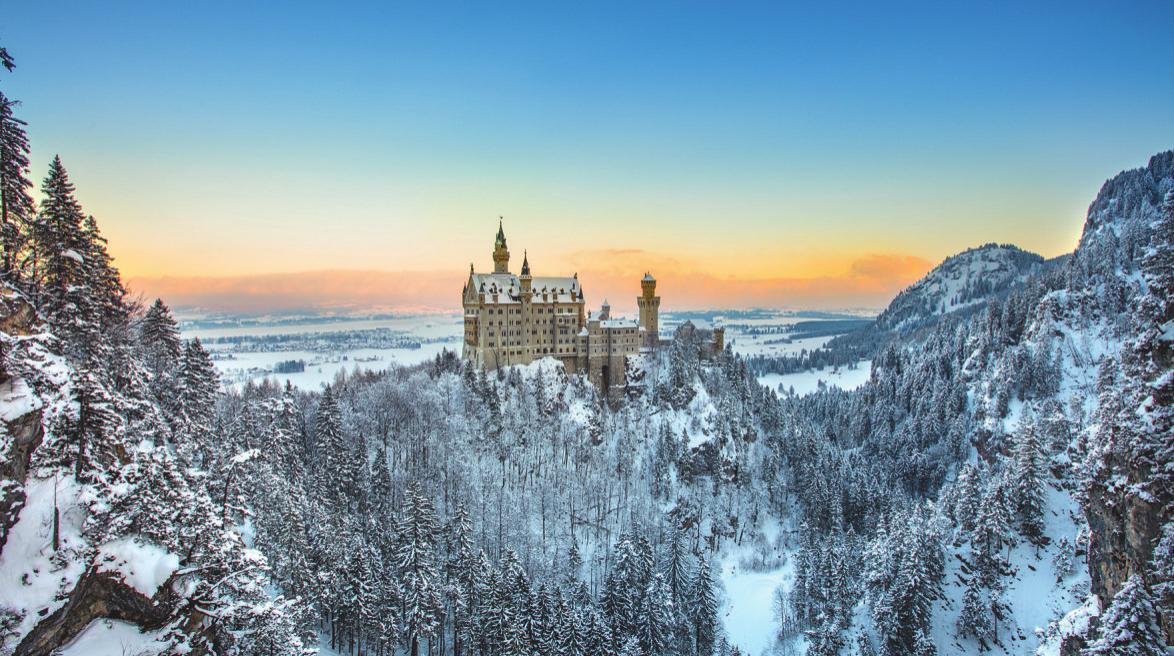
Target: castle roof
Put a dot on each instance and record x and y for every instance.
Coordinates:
(558, 289)
(648, 278)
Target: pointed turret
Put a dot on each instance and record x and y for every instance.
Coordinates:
(525, 278)
(501, 253)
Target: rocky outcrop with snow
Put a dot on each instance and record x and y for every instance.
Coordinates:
(98, 524)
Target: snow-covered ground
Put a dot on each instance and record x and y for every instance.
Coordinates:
(107, 637)
(748, 609)
(32, 574)
(144, 566)
(321, 368)
(435, 332)
(806, 382)
(745, 344)
(421, 325)
(1037, 594)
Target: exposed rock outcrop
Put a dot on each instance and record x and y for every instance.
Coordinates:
(101, 595)
(23, 436)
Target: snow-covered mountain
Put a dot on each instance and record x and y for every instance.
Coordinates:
(960, 282)
(1008, 464)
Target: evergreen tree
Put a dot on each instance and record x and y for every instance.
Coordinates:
(108, 305)
(1129, 626)
(58, 242)
(330, 451)
(574, 564)
(657, 617)
(198, 384)
(621, 595)
(974, 620)
(463, 574)
(16, 203)
(991, 533)
(966, 497)
(676, 569)
(703, 609)
(416, 563)
(1027, 483)
(162, 348)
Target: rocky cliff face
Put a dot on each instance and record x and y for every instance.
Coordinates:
(22, 435)
(21, 427)
(1130, 491)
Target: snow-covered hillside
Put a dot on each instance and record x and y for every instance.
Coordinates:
(999, 483)
(960, 282)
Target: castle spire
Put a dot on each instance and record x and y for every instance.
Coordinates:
(501, 253)
(525, 263)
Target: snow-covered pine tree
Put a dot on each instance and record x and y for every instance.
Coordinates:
(462, 573)
(198, 384)
(966, 497)
(621, 594)
(574, 565)
(1129, 626)
(329, 452)
(1027, 481)
(677, 572)
(974, 620)
(657, 617)
(418, 573)
(162, 348)
(703, 609)
(992, 531)
(103, 281)
(16, 203)
(67, 289)
(58, 242)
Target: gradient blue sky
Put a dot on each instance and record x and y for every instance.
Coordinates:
(742, 141)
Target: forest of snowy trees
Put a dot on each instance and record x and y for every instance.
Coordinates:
(440, 509)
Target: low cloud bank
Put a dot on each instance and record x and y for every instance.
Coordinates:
(870, 281)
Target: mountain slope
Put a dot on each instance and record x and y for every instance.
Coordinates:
(960, 282)
(1003, 477)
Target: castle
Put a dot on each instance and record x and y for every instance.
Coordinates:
(517, 319)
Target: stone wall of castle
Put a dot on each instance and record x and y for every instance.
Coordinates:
(517, 319)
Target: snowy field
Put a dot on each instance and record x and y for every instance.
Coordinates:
(806, 382)
(748, 611)
(773, 344)
(321, 368)
(420, 325)
(435, 333)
